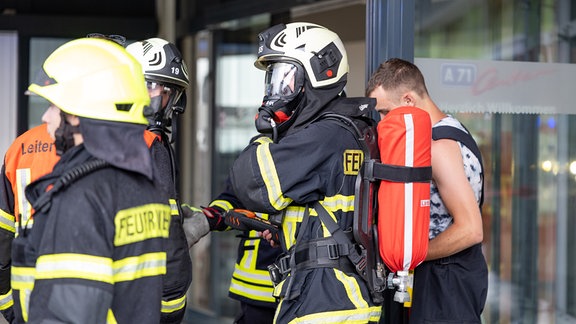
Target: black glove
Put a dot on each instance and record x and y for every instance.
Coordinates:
(215, 218)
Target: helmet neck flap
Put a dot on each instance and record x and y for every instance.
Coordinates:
(64, 135)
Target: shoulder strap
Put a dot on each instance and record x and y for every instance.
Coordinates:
(456, 134)
(67, 178)
(353, 125)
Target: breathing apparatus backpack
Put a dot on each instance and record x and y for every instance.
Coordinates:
(392, 200)
(404, 141)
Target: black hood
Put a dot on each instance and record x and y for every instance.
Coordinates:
(120, 144)
(314, 103)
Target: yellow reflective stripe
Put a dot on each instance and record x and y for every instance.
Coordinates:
(23, 178)
(292, 216)
(256, 276)
(360, 315)
(224, 204)
(248, 260)
(111, 319)
(145, 265)
(173, 207)
(339, 202)
(22, 278)
(333, 204)
(82, 266)
(253, 292)
(277, 291)
(270, 177)
(73, 265)
(7, 221)
(25, 302)
(22, 282)
(6, 300)
(352, 289)
(170, 306)
(263, 140)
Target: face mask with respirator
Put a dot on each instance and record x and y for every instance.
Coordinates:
(284, 83)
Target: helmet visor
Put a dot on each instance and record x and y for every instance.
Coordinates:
(281, 80)
(169, 94)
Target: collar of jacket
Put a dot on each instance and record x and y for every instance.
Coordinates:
(120, 144)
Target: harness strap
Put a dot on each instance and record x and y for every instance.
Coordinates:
(359, 260)
(323, 253)
(398, 173)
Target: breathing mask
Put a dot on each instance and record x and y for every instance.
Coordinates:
(284, 84)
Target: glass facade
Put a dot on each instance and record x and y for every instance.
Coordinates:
(524, 125)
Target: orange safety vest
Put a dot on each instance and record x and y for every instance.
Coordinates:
(31, 155)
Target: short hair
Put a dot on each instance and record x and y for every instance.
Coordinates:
(397, 74)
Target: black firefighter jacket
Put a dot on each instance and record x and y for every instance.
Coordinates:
(318, 162)
(98, 254)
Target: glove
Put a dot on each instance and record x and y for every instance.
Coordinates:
(215, 218)
(195, 224)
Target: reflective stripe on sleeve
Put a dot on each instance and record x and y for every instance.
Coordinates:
(171, 306)
(145, 265)
(174, 207)
(22, 278)
(6, 300)
(270, 177)
(7, 221)
(226, 205)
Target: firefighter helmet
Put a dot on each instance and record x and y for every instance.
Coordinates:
(94, 78)
(163, 67)
(161, 62)
(318, 50)
(297, 56)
